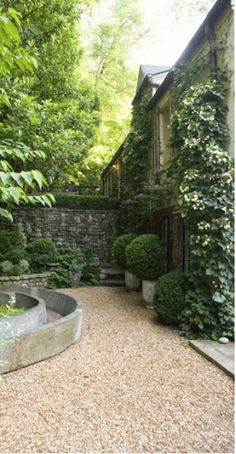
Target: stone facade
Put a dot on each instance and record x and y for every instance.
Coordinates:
(91, 230)
(31, 280)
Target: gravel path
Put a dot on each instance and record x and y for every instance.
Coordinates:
(129, 385)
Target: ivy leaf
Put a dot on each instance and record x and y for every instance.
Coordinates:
(218, 298)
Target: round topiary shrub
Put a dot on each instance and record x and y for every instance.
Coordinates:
(144, 257)
(119, 246)
(169, 298)
(42, 246)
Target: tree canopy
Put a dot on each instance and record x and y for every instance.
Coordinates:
(54, 109)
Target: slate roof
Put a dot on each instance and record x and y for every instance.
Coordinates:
(144, 70)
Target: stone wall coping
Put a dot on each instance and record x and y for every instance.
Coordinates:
(69, 209)
(25, 276)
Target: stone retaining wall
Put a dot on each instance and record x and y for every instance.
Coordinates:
(31, 280)
(93, 230)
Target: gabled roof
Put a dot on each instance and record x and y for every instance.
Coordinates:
(146, 78)
(210, 20)
(145, 70)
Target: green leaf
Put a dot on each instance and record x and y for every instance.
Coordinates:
(15, 15)
(39, 178)
(6, 214)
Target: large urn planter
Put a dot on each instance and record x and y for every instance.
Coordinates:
(132, 282)
(148, 291)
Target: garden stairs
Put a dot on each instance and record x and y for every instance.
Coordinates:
(112, 277)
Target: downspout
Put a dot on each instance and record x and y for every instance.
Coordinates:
(213, 51)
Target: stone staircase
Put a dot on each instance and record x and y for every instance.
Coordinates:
(112, 277)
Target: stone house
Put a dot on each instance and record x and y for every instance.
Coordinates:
(215, 41)
(149, 79)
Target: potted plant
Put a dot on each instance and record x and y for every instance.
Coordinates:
(169, 299)
(75, 271)
(119, 247)
(144, 257)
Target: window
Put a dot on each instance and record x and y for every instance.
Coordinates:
(165, 238)
(160, 137)
(164, 134)
(155, 164)
(186, 248)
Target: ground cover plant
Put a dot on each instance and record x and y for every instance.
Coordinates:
(6, 310)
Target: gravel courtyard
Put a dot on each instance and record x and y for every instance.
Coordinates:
(129, 385)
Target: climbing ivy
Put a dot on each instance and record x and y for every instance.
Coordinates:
(136, 150)
(205, 174)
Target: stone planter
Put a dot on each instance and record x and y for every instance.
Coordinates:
(75, 278)
(148, 290)
(131, 281)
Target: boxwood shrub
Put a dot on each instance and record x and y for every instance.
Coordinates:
(42, 246)
(144, 257)
(169, 298)
(119, 246)
(85, 202)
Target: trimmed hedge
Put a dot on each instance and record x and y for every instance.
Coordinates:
(85, 202)
(169, 298)
(119, 246)
(144, 257)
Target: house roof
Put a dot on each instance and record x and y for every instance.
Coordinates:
(113, 160)
(145, 78)
(145, 70)
(196, 40)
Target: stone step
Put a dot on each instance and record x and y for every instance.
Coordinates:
(111, 274)
(112, 282)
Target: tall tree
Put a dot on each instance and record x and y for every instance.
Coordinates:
(54, 109)
(114, 33)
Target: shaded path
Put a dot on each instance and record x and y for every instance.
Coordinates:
(129, 385)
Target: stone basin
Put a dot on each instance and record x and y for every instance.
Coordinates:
(34, 315)
(61, 329)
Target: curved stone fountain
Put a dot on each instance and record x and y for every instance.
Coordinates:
(35, 315)
(58, 327)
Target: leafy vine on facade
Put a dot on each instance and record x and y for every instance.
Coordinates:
(136, 150)
(205, 172)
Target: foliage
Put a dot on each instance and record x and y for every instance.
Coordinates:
(11, 239)
(15, 255)
(144, 257)
(42, 246)
(205, 173)
(6, 310)
(16, 269)
(112, 37)
(53, 110)
(85, 202)
(119, 246)
(136, 150)
(14, 182)
(40, 253)
(70, 259)
(169, 298)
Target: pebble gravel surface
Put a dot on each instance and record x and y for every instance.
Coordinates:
(129, 385)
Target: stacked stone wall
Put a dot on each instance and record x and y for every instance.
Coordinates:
(91, 230)
(30, 280)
